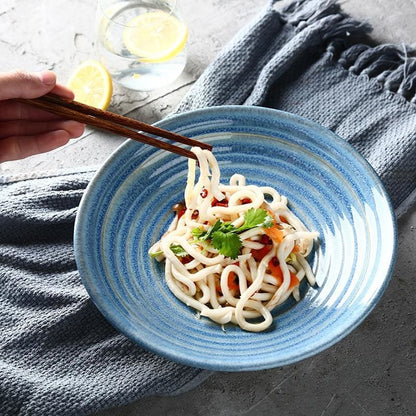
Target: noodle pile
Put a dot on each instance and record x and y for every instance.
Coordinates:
(269, 261)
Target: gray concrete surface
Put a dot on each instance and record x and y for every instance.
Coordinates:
(370, 372)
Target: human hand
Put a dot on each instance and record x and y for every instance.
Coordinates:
(24, 129)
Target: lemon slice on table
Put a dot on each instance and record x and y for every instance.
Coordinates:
(92, 84)
(155, 36)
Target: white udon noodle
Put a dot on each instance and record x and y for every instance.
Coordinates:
(196, 282)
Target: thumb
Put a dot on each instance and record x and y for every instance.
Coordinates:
(20, 84)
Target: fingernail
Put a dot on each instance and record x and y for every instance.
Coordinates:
(47, 77)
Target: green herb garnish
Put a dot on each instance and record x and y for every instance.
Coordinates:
(177, 249)
(224, 236)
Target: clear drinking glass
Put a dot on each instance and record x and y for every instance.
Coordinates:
(142, 43)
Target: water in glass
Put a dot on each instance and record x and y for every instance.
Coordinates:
(120, 42)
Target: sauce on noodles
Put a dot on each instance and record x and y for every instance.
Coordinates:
(233, 252)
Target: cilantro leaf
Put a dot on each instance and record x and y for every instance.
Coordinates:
(228, 244)
(206, 235)
(178, 250)
(256, 218)
(199, 233)
(224, 235)
(213, 229)
(268, 222)
(227, 227)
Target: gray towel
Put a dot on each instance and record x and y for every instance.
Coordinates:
(58, 356)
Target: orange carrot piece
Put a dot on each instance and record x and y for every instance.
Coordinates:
(277, 273)
(275, 234)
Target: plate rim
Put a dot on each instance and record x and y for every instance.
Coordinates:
(269, 112)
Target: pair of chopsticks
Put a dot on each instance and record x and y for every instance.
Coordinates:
(114, 123)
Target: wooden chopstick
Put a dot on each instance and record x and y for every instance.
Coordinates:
(114, 123)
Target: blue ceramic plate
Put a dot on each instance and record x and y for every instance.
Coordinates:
(127, 207)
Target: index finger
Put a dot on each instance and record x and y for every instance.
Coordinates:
(63, 91)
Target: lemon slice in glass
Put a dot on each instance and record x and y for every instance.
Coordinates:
(92, 84)
(155, 36)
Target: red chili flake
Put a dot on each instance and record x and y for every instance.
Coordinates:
(204, 193)
(265, 239)
(245, 201)
(195, 214)
(258, 254)
(185, 259)
(282, 218)
(275, 261)
(233, 281)
(216, 203)
(181, 212)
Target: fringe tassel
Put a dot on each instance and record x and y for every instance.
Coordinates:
(392, 66)
(305, 13)
(319, 26)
